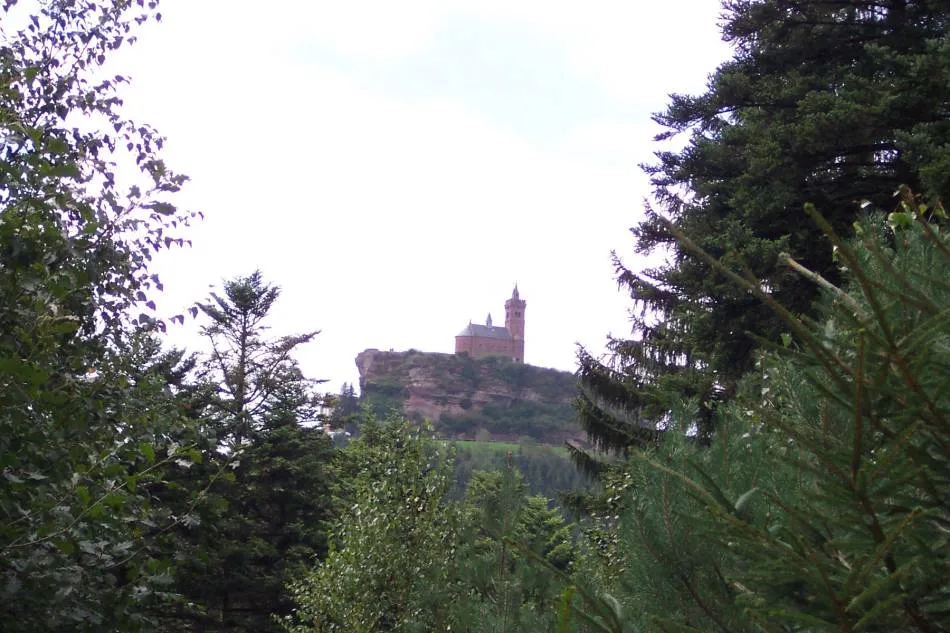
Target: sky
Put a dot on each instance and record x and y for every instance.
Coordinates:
(397, 167)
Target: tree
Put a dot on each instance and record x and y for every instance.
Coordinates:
(267, 512)
(406, 557)
(389, 568)
(86, 426)
(248, 369)
(822, 500)
(346, 408)
(830, 103)
(508, 590)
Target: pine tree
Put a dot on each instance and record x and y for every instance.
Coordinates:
(346, 408)
(829, 103)
(822, 500)
(268, 459)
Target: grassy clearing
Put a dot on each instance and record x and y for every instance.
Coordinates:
(481, 447)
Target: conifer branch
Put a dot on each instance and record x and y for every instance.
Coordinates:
(814, 277)
(830, 361)
(858, 416)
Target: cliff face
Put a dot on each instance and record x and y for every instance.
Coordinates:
(465, 397)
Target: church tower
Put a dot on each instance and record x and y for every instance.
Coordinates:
(514, 323)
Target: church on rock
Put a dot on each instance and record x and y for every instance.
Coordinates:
(479, 341)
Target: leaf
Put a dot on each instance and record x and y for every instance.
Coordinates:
(57, 145)
(23, 371)
(148, 451)
(564, 609)
(162, 208)
(114, 500)
(873, 617)
(744, 499)
(66, 325)
(806, 618)
(900, 220)
(886, 582)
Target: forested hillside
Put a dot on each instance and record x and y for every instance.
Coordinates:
(774, 433)
(471, 398)
(493, 411)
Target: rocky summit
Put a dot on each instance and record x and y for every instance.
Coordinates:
(469, 398)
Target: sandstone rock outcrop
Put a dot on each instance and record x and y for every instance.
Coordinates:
(463, 396)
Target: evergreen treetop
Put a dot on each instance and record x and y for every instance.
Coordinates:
(829, 103)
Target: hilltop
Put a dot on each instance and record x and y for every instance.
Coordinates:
(468, 398)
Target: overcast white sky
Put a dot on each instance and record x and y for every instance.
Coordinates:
(397, 166)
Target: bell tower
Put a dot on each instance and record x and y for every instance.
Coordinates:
(514, 323)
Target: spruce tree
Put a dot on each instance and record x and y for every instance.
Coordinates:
(824, 102)
(345, 409)
(268, 460)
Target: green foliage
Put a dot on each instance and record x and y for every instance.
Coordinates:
(822, 501)
(507, 591)
(406, 557)
(469, 371)
(345, 409)
(87, 422)
(387, 568)
(538, 405)
(265, 475)
(828, 103)
(863, 411)
(381, 404)
(547, 470)
(83, 461)
(384, 397)
(250, 373)
(541, 421)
